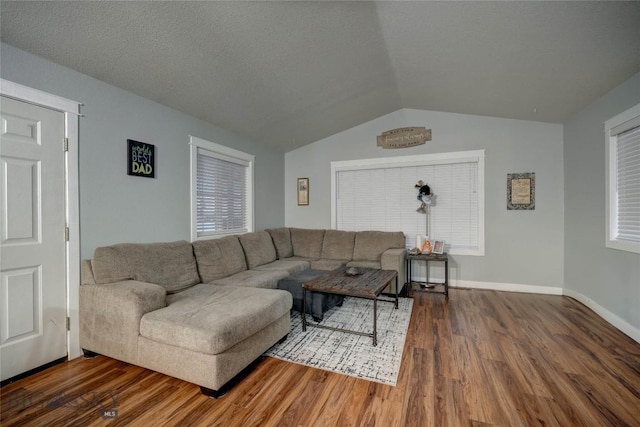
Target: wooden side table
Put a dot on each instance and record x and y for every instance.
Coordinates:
(427, 259)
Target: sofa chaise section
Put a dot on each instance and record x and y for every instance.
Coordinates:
(207, 334)
(199, 332)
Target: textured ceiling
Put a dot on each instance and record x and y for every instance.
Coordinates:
(289, 73)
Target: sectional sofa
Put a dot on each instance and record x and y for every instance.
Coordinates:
(204, 311)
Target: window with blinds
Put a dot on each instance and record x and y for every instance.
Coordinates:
(628, 185)
(221, 190)
(623, 134)
(380, 194)
(623, 175)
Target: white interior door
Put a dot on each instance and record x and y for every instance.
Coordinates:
(33, 299)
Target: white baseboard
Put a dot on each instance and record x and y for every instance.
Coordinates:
(613, 319)
(507, 287)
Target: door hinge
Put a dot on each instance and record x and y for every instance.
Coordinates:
(68, 323)
(65, 144)
(66, 234)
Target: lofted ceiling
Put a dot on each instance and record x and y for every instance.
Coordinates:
(286, 74)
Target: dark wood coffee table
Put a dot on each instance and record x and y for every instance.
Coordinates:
(368, 284)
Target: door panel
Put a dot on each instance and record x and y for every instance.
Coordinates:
(21, 221)
(32, 246)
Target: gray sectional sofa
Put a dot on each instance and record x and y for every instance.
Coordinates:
(204, 311)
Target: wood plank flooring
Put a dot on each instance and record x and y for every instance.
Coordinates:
(482, 358)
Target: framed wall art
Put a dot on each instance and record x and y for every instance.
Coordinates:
(141, 159)
(521, 191)
(303, 191)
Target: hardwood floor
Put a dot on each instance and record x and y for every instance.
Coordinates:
(483, 358)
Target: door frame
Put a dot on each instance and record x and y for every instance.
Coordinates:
(71, 111)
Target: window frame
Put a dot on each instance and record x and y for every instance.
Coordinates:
(420, 160)
(613, 127)
(225, 153)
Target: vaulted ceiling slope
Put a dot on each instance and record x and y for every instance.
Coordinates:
(289, 73)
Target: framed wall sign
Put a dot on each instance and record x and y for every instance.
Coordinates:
(141, 159)
(303, 191)
(403, 137)
(521, 191)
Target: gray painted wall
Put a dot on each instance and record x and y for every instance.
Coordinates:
(540, 247)
(115, 207)
(607, 276)
(521, 247)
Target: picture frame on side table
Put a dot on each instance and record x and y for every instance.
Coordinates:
(438, 247)
(303, 191)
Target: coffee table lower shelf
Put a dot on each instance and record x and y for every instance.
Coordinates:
(373, 335)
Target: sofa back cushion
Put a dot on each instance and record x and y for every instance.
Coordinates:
(282, 241)
(371, 244)
(171, 265)
(306, 242)
(338, 244)
(218, 258)
(258, 248)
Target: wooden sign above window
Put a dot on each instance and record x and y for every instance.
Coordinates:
(404, 137)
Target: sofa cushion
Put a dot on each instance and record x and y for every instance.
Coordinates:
(307, 242)
(282, 241)
(301, 258)
(170, 265)
(288, 265)
(258, 248)
(328, 264)
(338, 244)
(219, 257)
(365, 264)
(253, 279)
(371, 244)
(211, 319)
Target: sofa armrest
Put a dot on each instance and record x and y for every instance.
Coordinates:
(110, 316)
(394, 259)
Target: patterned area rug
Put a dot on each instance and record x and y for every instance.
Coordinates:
(346, 353)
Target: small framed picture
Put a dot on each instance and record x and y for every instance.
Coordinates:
(438, 247)
(303, 191)
(521, 191)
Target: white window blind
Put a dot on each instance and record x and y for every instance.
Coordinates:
(383, 197)
(628, 185)
(623, 181)
(454, 215)
(221, 190)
